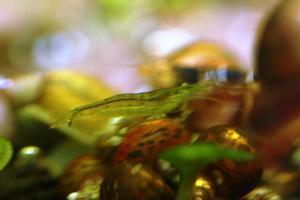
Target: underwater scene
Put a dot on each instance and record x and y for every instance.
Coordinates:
(149, 100)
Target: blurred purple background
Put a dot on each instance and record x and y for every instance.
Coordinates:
(110, 39)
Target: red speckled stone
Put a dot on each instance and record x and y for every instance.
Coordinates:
(144, 141)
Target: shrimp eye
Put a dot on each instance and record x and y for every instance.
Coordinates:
(225, 75)
(186, 75)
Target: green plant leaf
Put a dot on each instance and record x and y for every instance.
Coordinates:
(190, 158)
(236, 155)
(6, 152)
(202, 154)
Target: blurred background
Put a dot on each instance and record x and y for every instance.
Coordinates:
(109, 39)
(56, 55)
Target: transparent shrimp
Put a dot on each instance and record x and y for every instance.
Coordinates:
(151, 103)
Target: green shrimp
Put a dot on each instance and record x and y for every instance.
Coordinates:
(151, 103)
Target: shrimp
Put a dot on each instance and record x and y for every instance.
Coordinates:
(156, 102)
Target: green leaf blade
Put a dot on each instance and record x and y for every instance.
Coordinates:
(188, 154)
(201, 154)
(6, 152)
(237, 155)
